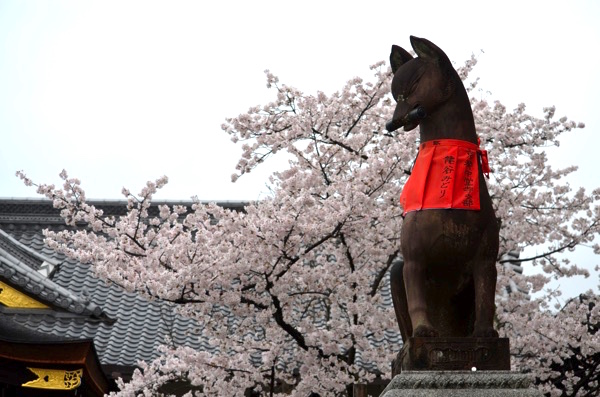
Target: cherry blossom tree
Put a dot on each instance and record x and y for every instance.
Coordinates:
(289, 291)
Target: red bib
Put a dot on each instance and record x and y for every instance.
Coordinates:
(445, 175)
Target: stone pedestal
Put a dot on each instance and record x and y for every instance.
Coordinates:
(453, 354)
(460, 384)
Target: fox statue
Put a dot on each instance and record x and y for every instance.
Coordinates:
(445, 286)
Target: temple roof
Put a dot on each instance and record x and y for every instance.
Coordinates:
(125, 327)
(22, 266)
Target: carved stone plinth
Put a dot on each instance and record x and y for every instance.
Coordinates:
(453, 354)
(460, 384)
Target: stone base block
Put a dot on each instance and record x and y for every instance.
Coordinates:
(453, 354)
(460, 384)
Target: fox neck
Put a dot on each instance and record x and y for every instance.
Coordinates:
(452, 120)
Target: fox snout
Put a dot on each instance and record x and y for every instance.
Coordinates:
(409, 121)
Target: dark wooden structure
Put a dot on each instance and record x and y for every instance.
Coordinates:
(446, 286)
(37, 364)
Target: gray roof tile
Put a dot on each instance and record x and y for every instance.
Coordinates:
(141, 325)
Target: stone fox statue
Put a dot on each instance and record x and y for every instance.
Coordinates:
(446, 286)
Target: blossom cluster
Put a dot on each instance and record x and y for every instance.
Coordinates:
(289, 290)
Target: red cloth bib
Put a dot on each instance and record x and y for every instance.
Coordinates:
(445, 175)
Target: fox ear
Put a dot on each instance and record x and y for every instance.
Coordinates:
(399, 57)
(427, 50)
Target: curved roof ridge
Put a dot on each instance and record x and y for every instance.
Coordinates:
(26, 249)
(20, 274)
(119, 201)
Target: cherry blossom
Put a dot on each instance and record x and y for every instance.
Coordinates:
(290, 290)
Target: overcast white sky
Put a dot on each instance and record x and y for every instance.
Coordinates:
(120, 92)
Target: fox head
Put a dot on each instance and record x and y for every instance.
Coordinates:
(425, 82)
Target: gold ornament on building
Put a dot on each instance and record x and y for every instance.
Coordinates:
(55, 379)
(13, 298)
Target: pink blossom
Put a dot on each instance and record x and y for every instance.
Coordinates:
(302, 271)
